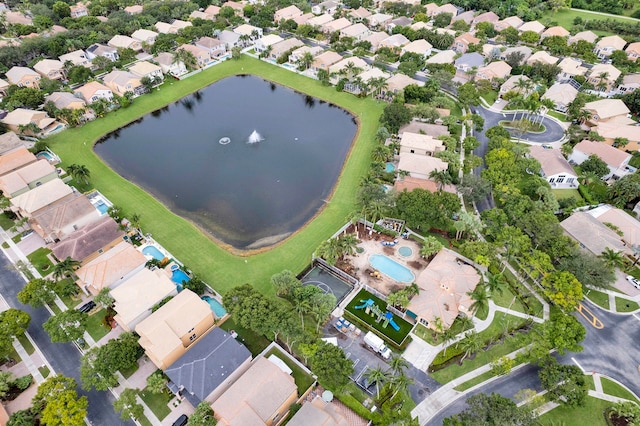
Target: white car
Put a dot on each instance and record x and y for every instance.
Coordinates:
(634, 281)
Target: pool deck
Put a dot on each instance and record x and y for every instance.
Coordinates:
(384, 284)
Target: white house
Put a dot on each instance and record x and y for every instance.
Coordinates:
(616, 159)
(554, 167)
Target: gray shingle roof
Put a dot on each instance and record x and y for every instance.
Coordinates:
(208, 363)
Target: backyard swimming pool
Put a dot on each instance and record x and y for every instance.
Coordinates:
(101, 207)
(391, 268)
(45, 155)
(216, 307)
(389, 168)
(153, 252)
(178, 276)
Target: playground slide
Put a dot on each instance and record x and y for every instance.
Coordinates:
(366, 304)
(393, 324)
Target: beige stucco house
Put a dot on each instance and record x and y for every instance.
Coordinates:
(135, 297)
(111, 268)
(444, 289)
(168, 333)
(32, 202)
(26, 178)
(50, 68)
(90, 241)
(23, 77)
(15, 160)
(261, 396)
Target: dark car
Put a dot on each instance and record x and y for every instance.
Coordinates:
(181, 421)
(87, 306)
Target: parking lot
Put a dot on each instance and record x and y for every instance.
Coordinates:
(364, 359)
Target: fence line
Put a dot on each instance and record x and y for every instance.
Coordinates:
(335, 271)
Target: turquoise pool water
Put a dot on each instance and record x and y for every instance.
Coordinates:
(179, 276)
(102, 207)
(389, 167)
(153, 252)
(45, 155)
(405, 251)
(216, 307)
(391, 268)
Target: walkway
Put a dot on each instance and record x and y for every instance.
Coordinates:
(612, 299)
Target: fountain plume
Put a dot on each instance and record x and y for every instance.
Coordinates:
(255, 137)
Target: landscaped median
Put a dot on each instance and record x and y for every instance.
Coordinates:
(217, 266)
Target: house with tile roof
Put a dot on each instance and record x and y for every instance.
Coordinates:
(121, 82)
(168, 333)
(494, 70)
(125, 42)
(90, 241)
(26, 178)
(561, 94)
(50, 68)
(462, 42)
(607, 45)
(588, 36)
(32, 202)
(136, 297)
(592, 235)
(358, 31)
(10, 142)
(145, 36)
(445, 285)
(61, 218)
(94, 91)
(286, 13)
(554, 167)
(23, 77)
(617, 160)
(262, 395)
(111, 268)
(77, 57)
(15, 159)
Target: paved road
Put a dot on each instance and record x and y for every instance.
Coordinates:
(507, 386)
(63, 357)
(553, 131)
(613, 351)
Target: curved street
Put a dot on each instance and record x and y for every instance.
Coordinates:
(611, 351)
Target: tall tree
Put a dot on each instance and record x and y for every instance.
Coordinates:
(127, 405)
(66, 326)
(563, 289)
(79, 172)
(285, 283)
(492, 409)
(566, 383)
(202, 416)
(331, 366)
(65, 268)
(378, 376)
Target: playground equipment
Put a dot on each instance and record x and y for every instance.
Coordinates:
(372, 309)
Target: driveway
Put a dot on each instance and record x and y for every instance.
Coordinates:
(364, 359)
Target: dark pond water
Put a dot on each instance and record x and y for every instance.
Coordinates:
(248, 195)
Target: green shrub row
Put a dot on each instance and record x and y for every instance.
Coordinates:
(355, 405)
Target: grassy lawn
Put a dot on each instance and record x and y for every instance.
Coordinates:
(254, 342)
(476, 380)
(144, 421)
(599, 298)
(95, 328)
(44, 371)
(612, 388)
(40, 260)
(624, 305)
(489, 95)
(565, 18)
(129, 372)
(302, 378)
(562, 194)
(588, 378)
(26, 343)
(426, 334)
(157, 402)
(507, 299)
(395, 336)
(5, 222)
(214, 263)
(482, 313)
(590, 414)
(482, 357)
(560, 116)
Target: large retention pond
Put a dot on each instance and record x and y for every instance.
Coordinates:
(252, 189)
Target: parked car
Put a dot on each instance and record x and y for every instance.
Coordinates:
(181, 421)
(634, 281)
(87, 307)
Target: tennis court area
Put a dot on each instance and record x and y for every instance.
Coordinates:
(327, 282)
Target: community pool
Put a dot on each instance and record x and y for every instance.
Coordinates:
(179, 276)
(153, 252)
(391, 268)
(216, 306)
(389, 168)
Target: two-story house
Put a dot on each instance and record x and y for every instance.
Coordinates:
(50, 68)
(23, 77)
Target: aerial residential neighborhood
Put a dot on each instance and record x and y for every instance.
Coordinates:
(337, 213)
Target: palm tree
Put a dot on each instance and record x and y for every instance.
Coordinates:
(305, 61)
(494, 283)
(438, 326)
(79, 172)
(348, 244)
(470, 344)
(430, 246)
(441, 177)
(480, 299)
(378, 376)
(330, 250)
(65, 268)
(380, 153)
(524, 85)
(135, 222)
(379, 84)
(588, 178)
(612, 258)
(186, 57)
(398, 364)
(400, 382)
(447, 336)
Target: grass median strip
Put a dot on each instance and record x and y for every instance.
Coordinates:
(210, 261)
